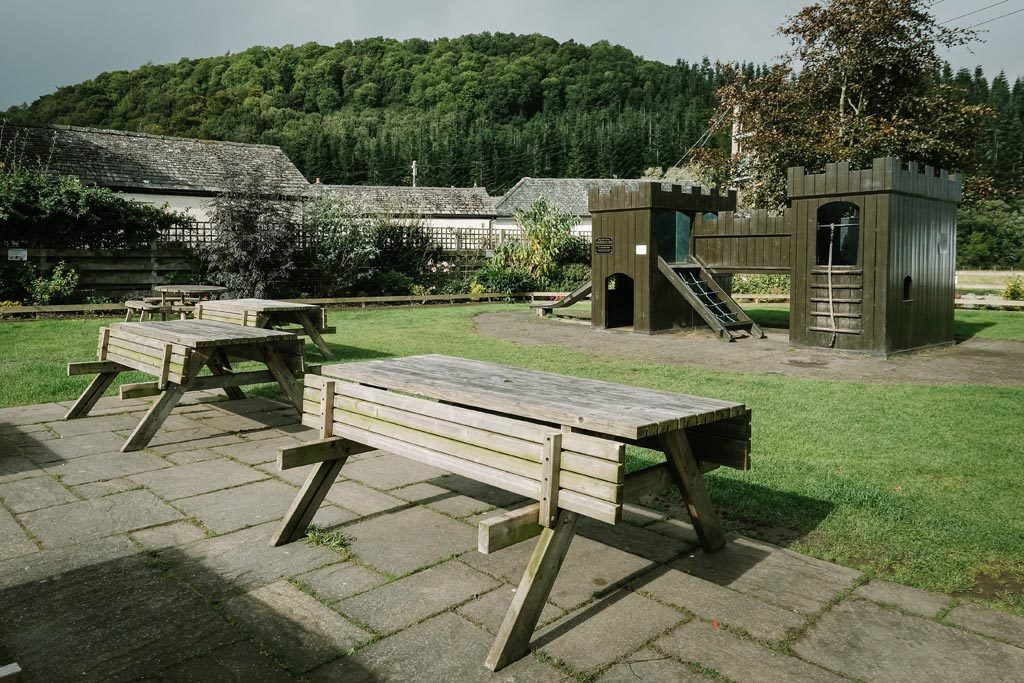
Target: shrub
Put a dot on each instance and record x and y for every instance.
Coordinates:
(402, 247)
(760, 284)
(338, 245)
(15, 280)
(59, 287)
(569, 277)
(547, 242)
(386, 283)
(1014, 289)
(254, 252)
(505, 279)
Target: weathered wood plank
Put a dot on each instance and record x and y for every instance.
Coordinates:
(307, 502)
(508, 528)
(139, 390)
(330, 448)
(549, 480)
(91, 395)
(94, 367)
(684, 469)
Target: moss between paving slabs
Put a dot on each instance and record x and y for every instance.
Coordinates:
(919, 484)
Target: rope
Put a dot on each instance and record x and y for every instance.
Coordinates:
(831, 304)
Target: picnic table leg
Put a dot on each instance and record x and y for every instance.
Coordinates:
(690, 481)
(92, 393)
(219, 364)
(513, 637)
(304, 507)
(281, 372)
(315, 336)
(154, 417)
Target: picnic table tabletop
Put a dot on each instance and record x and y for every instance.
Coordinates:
(592, 405)
(258, 305)
(202, 333)
(189, 289)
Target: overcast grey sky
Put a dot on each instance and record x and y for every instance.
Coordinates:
(48, 43)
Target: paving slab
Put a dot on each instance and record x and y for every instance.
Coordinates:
(443, 500)
(98, 489)
(115, 620)
(14, 467)
(650, 665)
(75, 522)
(872, 643)
(401, 542)
(245, 423)
(298, 630)
(250, 404)
(640, 542)
(676, 528)
(103, 466)
(444, 648)
(738, 659)
(93, 425)
(33, 493)
(362, 499)
(771, 573)
(488, 611)
(235, 508)
(48, 563)
(638, 515)
(168, 535)
(999, 625)
(605, 630)
(390, 471)
(243, 561)
(339, 581)
(240, 662)
(906, 598)
(23, 415)
(194, 455)
(196, 439)
(257, 452)
(16, 542)
(483, 492)
(196, 478)
(72, 447)
(713, 602)
(400, 603)
(589, 568)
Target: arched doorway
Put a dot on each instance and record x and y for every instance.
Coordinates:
(618, 301)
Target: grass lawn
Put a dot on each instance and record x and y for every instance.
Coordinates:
(918, 484)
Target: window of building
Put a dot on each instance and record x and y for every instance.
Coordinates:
(838, 234)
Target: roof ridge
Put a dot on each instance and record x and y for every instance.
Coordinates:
(129, 133)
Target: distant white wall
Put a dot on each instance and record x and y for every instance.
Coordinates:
(509, 224)
(196, 207)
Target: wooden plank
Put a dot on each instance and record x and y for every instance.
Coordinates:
(687, 475)
(508, 528)
(92, 393)
(307, 502)
(155, 416)
(165, 367)
(331, 448)
(513, 637)
(201, 333)
(10, 673)
(233, 379)
(139, 390)
(327, 409)
(283, 374)
(94, 367)
(550, 475)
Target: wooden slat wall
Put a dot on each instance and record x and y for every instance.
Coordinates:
(116, 273)
(739, 244)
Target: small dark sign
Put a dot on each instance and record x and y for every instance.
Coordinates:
(603, 245)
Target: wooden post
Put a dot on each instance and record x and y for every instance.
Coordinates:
(91, 395)
(305, 318)
(550, 464)
(513, 637)
(154, 417)
(304, 507)
(327, 409)
(687, 475)
(284, 376)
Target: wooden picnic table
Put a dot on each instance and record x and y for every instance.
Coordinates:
(175, 351)
(185, 291)
(268, 313)
(556, 439)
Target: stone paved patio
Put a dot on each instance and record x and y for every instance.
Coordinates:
(156, 565)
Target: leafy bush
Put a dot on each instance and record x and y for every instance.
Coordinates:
(58, 288)
(1014, 289)
(505, 279)
(338, 245)
(15, 280)
(760, 284)
(387, 283)
(547, 242)
(402, 247)
(569, 277)
(39, 209)
(990, 234)
(253, 255)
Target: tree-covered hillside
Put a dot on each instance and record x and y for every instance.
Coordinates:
(482, 109)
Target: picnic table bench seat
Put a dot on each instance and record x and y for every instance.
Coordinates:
(559, 441)
(300, 318)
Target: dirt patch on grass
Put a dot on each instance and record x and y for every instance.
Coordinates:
(995, 586)
(972, 361)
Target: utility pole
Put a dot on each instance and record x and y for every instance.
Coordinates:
(414, 173)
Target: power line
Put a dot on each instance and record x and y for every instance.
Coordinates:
(982, 9)
(989, 21)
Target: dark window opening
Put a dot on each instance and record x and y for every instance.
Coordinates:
(838, 234)
(618, 301)
(672, 235)
(907, 282)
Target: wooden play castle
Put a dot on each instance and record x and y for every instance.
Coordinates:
(870, 254)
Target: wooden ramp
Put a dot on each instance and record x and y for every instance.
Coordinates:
(721, 313)
(579, 294)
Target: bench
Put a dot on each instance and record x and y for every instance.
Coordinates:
(299, 318)
(559, 441)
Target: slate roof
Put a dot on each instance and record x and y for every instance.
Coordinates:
(138, 162)
(400, 200)
(568, 194)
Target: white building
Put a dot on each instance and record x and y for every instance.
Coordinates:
(183, 174)
(567, 194)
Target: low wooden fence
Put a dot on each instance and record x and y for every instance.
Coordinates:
(121, 272)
